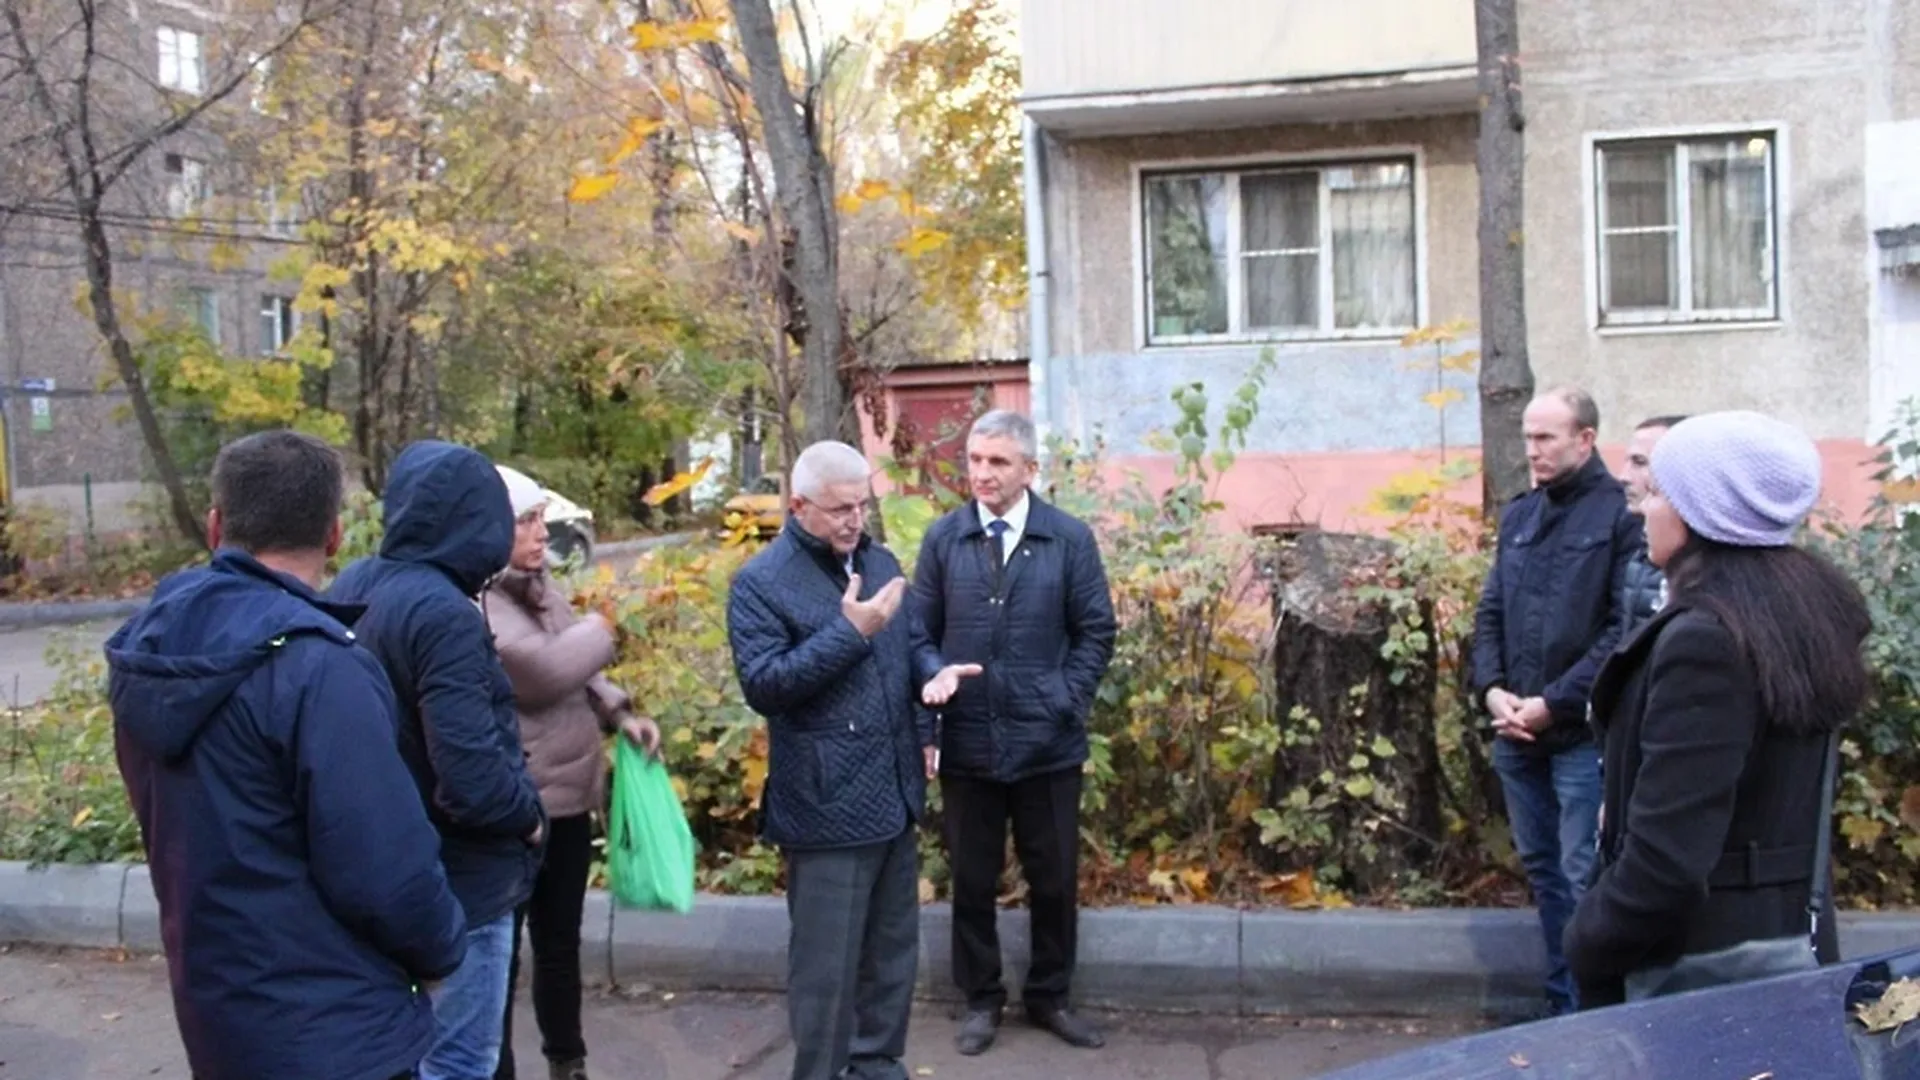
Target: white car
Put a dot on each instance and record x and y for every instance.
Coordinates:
(569, 526)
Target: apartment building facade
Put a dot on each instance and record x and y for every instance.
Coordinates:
(192, 237)
(1720, 213)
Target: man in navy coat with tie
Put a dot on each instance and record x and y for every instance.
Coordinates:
(1015, 585)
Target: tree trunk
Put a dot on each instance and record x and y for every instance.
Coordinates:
(1328, 664)
(369, 416)
(803, 181)
(1506, 378)
(107, 319)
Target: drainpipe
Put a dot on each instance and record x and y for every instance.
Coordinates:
(1039, 321)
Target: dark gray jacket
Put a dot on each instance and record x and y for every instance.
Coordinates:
(1641, 593)
(844, 725)
(1042, 626)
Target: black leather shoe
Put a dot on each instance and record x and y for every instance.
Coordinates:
(977, 1031)
(1068, 1027)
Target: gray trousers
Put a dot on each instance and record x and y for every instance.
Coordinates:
(852, 953)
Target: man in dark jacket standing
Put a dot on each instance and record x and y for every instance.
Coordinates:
(1552, 610)
(825, 653)
(1015, 585)
(1646, 585)
(301, 895)
(449, 528)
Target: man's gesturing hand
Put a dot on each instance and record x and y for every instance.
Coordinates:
(871, 616)
(941, 688)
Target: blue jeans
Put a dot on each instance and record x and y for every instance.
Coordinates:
(468, 1007)
(1553, 804)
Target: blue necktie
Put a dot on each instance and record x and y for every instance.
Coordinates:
(997, 529)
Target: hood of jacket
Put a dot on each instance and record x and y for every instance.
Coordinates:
(446, 506)
(174, 665)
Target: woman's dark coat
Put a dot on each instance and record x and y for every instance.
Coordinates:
(1711, 811)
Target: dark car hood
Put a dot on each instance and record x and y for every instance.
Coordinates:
(1788, 1026)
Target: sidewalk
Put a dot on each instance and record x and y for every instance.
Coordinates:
(85, 1015)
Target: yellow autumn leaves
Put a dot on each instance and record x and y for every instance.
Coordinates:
(596, 185)
(649, 35)
(920, 240)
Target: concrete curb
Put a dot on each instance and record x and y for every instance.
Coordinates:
(63, 905)
(1434, 963)
(29, 616)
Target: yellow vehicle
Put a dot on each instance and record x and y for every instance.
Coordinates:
(762, 503)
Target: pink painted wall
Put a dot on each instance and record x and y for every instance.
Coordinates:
(1332, 491)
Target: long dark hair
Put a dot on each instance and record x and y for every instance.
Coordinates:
(1798, 618)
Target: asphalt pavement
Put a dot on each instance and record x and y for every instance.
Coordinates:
(84, 1015)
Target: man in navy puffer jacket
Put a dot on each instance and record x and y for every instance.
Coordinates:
(449, 529)
(299, 882)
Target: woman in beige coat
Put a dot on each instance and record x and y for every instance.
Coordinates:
(555, 661)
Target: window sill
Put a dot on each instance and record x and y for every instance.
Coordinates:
(1243, 341)
(1701, 327)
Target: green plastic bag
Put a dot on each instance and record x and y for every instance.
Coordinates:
(649, 846)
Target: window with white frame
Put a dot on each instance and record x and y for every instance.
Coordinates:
(180, 67)
(1295, 251)
(186, 184)
(201, 308)
(278, 323)
(277, 216)
(1687, 230)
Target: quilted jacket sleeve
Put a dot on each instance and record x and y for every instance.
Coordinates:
(1090, 620)
(778, 674)
(926, 606)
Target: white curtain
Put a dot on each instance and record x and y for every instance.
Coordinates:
(1371, 207)
(1642, 226)
(1280, 237)
(1727, 202)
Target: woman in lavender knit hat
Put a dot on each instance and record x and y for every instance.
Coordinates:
(1718, 720)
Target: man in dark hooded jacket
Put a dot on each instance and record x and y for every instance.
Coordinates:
(300, 888)
(449, 529)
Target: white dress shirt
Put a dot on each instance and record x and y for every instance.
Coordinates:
(1016, 519)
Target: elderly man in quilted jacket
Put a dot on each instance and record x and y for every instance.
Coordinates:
(1015, 585)
(825, 652)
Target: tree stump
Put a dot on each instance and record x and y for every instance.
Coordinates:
(1381, 810)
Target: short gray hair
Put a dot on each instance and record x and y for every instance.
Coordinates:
(1007, 424)
(825, 464)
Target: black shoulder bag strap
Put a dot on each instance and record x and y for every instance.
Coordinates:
(1823, 841)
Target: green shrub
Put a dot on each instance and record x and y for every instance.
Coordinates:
(1185, 742)
(61, 797)
(1877, 809)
